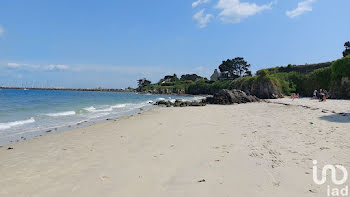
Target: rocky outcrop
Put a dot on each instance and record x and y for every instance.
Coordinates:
(341, 89)
(262, 87)
(265, 89)
(164, 103)
(180, 103)
(227, 97)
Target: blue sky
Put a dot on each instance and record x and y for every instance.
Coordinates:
(91, 43)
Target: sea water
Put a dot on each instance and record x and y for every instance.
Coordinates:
(29, 113)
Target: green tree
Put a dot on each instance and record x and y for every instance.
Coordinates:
(143, 82)
(169, 78)
(346, 52)
(235, 67)
(190, 77)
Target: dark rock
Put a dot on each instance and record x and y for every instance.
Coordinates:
(196, 103)
(163, 103)
(183, 104)
(9, 148)
(178, 103)
(227, 97)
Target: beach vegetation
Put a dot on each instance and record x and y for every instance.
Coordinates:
(341, 68)
(190, 77)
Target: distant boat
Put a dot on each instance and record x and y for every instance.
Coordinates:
(25, 89)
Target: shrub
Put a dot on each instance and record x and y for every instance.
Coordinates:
(262, 73)
(319, 79)
(341, 68)
(207, 87)
(243, 83)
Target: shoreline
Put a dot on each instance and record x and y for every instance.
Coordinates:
(211, 150)
(68, 116)
(86, 123)
(77, 126)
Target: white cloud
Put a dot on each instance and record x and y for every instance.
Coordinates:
(304, 6)
(21, 65)
(202, 19)
(233, 11)
(196, 3)
(56, 67)
(2, 30)
(13, 65)
(50, 67)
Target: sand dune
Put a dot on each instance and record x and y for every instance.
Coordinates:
(257, 149)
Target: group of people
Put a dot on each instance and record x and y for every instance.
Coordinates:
(321, 95)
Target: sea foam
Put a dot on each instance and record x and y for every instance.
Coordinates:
(107, 109)
(15, 123)
(66, 113)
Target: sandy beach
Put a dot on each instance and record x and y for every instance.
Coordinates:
(255, 149)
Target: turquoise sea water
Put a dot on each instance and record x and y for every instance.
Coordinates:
(29, 113)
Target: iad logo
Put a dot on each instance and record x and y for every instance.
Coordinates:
(335, 191)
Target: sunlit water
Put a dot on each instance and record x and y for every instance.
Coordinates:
(29, 113)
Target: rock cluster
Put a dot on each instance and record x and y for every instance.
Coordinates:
(227, 97)
(223, 97)
(179, 103)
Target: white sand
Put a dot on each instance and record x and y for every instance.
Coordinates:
(338, 106)
(259, 149)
